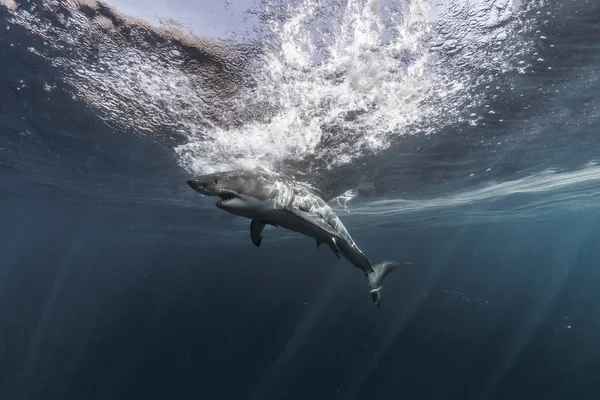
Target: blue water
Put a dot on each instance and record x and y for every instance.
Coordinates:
(119, 282)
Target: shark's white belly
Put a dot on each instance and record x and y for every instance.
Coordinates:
(289, 221)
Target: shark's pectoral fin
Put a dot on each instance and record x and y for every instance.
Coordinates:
(256, 230)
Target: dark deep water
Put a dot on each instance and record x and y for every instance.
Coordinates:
(119, 282)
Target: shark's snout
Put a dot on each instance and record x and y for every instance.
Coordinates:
(194, 183)
(198, 185)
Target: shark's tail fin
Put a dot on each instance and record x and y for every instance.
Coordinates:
(375, 278)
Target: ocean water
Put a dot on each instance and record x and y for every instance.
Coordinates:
(460, 135)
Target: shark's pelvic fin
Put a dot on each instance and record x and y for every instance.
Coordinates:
(334, 247)
(256, 230)
(375, 278)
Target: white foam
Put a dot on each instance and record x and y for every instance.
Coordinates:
(308, 97)
(337, 79)
(358, 74)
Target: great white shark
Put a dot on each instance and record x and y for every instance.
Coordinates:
(269, 199)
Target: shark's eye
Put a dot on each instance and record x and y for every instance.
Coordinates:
(216, 181)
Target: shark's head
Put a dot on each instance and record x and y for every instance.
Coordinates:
(241, 193)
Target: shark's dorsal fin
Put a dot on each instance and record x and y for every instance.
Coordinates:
(256, 230)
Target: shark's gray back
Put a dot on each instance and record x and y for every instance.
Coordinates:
(307, 201)
(287, 193)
